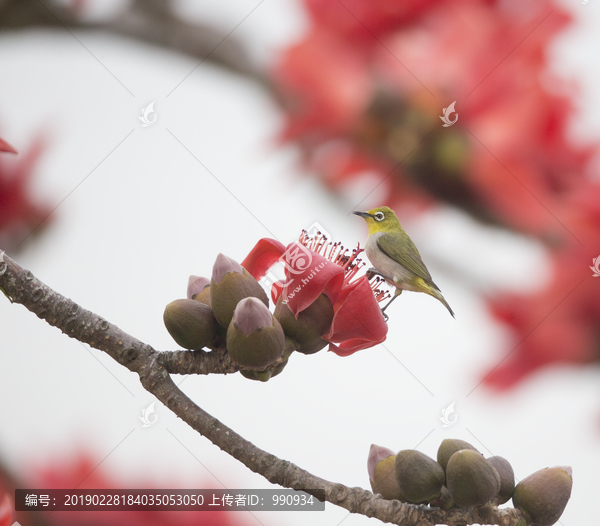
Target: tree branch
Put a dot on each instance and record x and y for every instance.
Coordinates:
(199, 362)
(150, 21)
(154, 370)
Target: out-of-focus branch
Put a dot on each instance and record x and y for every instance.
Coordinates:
(153, 368)
(154, 22)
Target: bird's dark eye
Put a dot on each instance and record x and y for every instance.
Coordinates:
(379, 216)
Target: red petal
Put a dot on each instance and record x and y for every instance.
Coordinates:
(5, 147)
(358, 322)
(308, 275)
(263, 256)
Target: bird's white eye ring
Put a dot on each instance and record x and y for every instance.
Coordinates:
(379, 216)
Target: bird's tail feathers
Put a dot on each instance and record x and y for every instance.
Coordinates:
(438, 295)
(434, 291)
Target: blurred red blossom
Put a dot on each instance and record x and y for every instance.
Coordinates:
(364, 91)
(560, 324)
(20, 213)
(5, 147)
(7, 516)
(83, 472)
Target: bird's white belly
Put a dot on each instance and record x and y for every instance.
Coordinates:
(387, 266)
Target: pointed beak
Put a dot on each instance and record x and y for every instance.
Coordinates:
(362, 214)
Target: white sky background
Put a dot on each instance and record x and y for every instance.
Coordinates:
(149, 214)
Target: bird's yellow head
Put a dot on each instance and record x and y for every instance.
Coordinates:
(382, 219)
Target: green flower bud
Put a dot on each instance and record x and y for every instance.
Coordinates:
(543, 496)
(376, 454)
(507, 479)
(279, 367)
(444, 500)
(196, 284)
(381, 466)
(190, 323)
(267, 374)
(224, 265)
(261, 376)
(231, 283)
(419, 477)
(448, 447)
(203, 296)
(255, 339)
(471, 479)
(306, 331)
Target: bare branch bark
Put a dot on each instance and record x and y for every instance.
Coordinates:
(154, 368)
(199, 362)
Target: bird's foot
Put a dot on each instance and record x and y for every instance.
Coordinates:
(372, 272)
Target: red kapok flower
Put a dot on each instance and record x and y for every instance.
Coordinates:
(363, 91)
(20, 214)
(314, 266)
(80, 472)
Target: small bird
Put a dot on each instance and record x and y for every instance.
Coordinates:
(395, 256)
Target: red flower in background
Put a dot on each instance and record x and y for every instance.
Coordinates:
(84, 473)
(313, 267)
(7, 517)
(364, 91)
(5, 147)
(561, 323)
(19, 213)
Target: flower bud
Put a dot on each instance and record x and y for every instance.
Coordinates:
(543, 496)
(376, 454)
(255, 339)
(507, 479)
(261, 376)
(312, 323)
(196, 284)
(267, 374)
(190, 323)
(382, 476)
(231, 283)
(204, 297)
(444, 500)
(471, 479)
(279, 367)
(419, 477)
(448, 447)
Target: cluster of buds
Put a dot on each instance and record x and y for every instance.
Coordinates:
(462, 478)
(321, 303)
(231, 310)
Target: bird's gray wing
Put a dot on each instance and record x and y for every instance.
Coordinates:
(404, 252)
